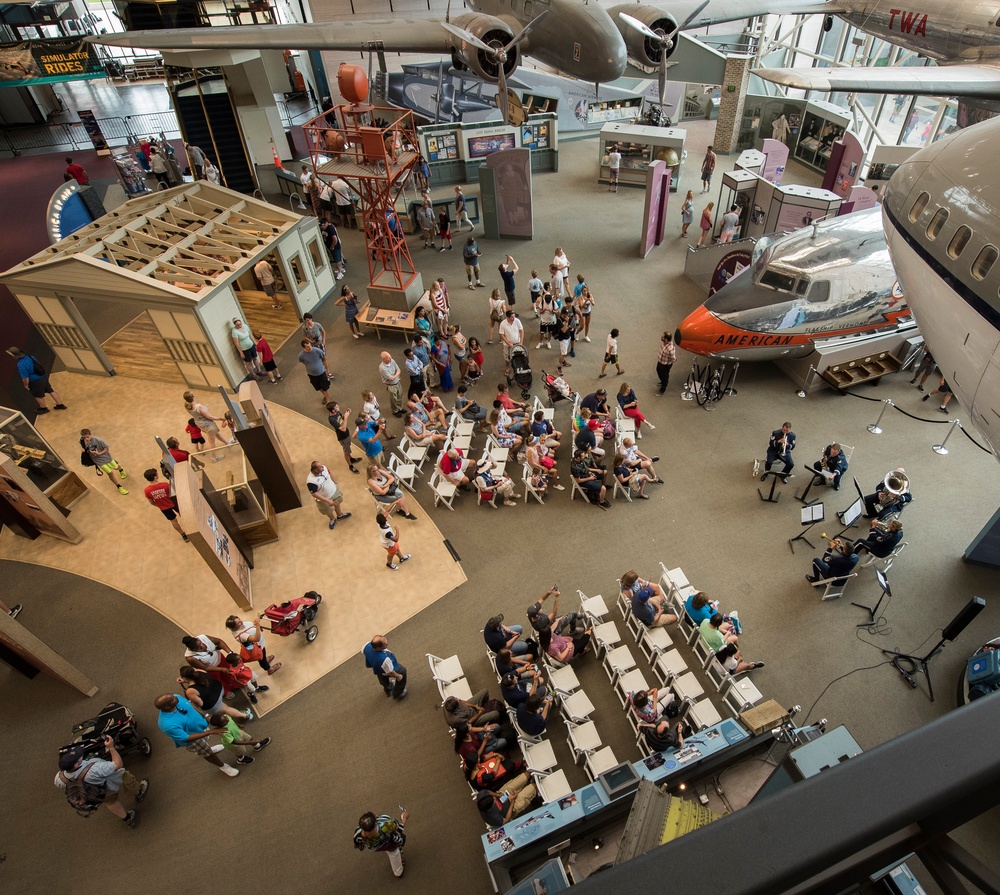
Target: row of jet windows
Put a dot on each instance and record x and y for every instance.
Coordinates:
(988, 254)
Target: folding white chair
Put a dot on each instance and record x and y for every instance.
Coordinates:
(446, 670)
(742, 694)
(404, 471)
(460, 425)
(703, 651)
(521, 735)
(459, 689)
(456, 440)
(685, 624)
(605, 636)
(635, 626)
(498, 453)
(576, 707)
(832, 590)
(582, 738)
(702, 714)
(624, 603)
(687, 686)
(492, 659)
(563, 679)
(718, 675)
(675, 577)
(536, 405)
(654, 641)
(539, 757)
(577, 489)
(529, 489)
(600, 761)
(884, 563)
(618, 661)
(593, 607)
(444, 491)
(629, 682)
(624, 490)
(552, 787)
(669, 665)
(413, 453)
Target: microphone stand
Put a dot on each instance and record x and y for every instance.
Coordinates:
(920, 665)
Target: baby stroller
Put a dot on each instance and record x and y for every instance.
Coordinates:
(522, 370)
(557, 388)
(287, 618)
(115, 721)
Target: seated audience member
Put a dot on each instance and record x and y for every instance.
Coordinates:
(837, 562)
(480, 740)
(515, 691)
(470, 411)
(486, 481)
(434, 408)
(516, 409)
(647, 705)
(881, 543)
(497, 808)
(597, 404)
(660, 736)
(420, 434)
(478, 710)
(533, 714)
(588, 436)
(719, 637)
(563, 648)
(541, 460)
(542, 426)
(491, 770)
(499, 636)
(541, 621)
(629, 404)
(629, 477)
(636, 459)
(700, 606)
(648, 600)
(589, 481)
(502, 435)
(384, 487)
(454, 466)
(833, 461)
(522, 667)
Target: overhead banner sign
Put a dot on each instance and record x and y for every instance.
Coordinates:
(47, 61)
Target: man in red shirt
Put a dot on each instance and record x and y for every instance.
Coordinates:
(174, 447)
(76, 172)
(453, 465)
(158, 494)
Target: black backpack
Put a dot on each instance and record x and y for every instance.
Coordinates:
(37, 367)
(84, 798)
(85, 458)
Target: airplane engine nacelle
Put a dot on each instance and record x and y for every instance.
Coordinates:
(642, 50)
(491, 31)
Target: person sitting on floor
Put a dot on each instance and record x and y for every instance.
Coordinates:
(497, 808)
(880, 543)
(648, 600)
(719, 637)
(533, 714)
(660, 736)
(837, 562)
(563, 648)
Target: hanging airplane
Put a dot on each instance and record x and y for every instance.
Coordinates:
(942, 222)
(830, 279)
(963, 38)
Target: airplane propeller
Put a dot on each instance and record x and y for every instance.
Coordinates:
(498, 54)
(665, 41)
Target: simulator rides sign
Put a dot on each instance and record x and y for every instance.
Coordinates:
(47, 61)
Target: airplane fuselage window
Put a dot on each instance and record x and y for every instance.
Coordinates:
(984, 262)
(958, 242)
(780, 281)
(820, 291)
(937, 222)
(918, 207)
(527, 9)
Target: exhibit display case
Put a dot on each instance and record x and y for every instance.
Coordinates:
(822, 124)
(226, 472)
(639, 146)
(35, 457)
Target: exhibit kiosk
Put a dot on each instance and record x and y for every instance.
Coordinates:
(822, 124)
(640, 145)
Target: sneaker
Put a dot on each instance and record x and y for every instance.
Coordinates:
(650, 426)
(261, 744)
(638, 433)
(655, 459)
(217, 748)
(130, 819)
(754, 665)
(409, 516)
(539, 345)
(253, 698)
(473, 288)
(605, 505)
(586, 338)
(61, 407)
(244, 759)
(559, 487)
(389, 565)
(926, 398)
(263, 688)
(450, 247)
(229, 770)
(344, 516)
(42, 410)
(122, 489)
(403, 694)
(440, 250)
(122, 474)
(404, 557)
(356, 336)
(15, 610)
(248, 715)
(943, 409)
(185, 538)
(333, 524)
(480, 285)
(510, 503)
(143, 789)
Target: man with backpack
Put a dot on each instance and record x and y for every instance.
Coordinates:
(90, 783)
(35, 379)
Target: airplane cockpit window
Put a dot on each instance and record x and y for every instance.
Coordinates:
(984, 262)
(819, 292)
(783, 282)
(918, 207)
(937, 222)
(958, 242)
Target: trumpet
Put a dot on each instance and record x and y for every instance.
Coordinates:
(824, 463)
(880, 525)
(834, 542)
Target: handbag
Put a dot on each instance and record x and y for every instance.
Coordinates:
(253, 653)
(609, 429)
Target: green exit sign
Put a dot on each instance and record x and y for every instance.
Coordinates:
(731, 88)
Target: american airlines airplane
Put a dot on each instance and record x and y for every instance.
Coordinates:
(942, 223)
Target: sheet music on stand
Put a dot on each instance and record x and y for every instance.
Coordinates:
(813, 513)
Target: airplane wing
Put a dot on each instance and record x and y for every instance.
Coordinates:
(734, 10)
(980, 80)
(394, 35)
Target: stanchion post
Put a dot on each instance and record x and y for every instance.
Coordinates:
(688, 393)
(731, 389)
(940, 448)
(876, 427)
(802, 392)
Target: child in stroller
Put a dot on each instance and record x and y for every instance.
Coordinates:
(521, 368)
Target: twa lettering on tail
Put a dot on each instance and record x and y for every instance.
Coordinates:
(909, 22)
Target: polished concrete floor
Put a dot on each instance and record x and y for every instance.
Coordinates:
(340, 748)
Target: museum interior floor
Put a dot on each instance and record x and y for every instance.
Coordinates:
(340, 747)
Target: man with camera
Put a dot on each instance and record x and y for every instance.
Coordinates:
(368, 433)
(108, 773)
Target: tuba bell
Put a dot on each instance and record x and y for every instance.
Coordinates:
(896, 485)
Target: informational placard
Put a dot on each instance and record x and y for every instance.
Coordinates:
(47, 61)
(658, 176)
(775, 160)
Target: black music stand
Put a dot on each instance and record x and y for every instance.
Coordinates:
(849, 517)
(817, 476)
(812, 514)
(774, 481)
(883, 583)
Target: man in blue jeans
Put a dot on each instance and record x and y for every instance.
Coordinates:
(499, 636)
(391, 675)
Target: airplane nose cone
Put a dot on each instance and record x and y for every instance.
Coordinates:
(698, 331)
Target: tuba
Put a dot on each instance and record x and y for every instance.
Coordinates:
(896, 485)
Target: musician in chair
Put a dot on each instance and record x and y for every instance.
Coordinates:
(837, 562)
(890, 497)
(882, 539)
(832, 465)
(780, 447)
